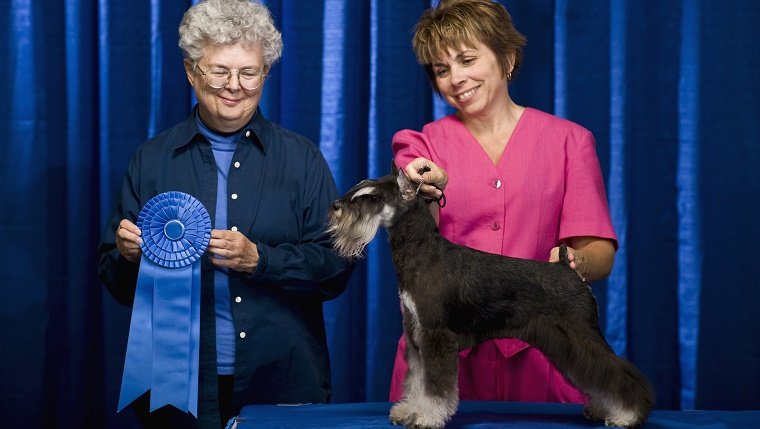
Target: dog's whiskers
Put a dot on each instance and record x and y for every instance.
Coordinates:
(350, 236)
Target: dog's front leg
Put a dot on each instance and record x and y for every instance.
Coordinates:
(403, 412)
(432, 394)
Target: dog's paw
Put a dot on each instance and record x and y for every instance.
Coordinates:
(627, 421)
(404, 414)
(615, 417)
(401, 413)
(427, 422)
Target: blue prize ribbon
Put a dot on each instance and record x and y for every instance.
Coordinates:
(164, 336)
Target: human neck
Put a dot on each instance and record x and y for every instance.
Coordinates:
(224, 129)
(499, 120)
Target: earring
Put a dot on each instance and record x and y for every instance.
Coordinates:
(509, 76)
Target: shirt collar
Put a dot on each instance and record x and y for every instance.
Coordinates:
(253, 132)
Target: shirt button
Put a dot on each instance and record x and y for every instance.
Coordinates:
(242, 335)
(496, 183)
(238, 299)
(234, 196)
(237, 164)
(248, 133)
(233, 229)
(495, 226)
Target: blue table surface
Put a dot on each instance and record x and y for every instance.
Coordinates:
(471, 414)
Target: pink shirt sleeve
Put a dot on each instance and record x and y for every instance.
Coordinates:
(585, 209)
(409, 145)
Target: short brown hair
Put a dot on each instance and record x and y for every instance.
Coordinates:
(456, 23)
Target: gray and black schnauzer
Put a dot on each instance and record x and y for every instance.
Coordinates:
(454, 297)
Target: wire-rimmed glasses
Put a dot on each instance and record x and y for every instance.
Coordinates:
(219, 77)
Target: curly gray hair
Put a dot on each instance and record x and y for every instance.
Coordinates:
(229, 22)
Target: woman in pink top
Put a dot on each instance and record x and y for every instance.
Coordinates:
(518, 182)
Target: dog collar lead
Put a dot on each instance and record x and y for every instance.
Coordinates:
(437, 200)
(441, 201)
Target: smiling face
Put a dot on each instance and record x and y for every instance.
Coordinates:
(470, 79)
(230, 108)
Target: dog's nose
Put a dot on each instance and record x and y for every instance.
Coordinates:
(336, 205)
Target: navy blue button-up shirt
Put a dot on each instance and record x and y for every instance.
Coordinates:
(280, 190)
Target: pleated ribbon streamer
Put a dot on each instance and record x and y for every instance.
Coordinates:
(163, 346)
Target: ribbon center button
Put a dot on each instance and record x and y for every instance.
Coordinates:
(174, 230)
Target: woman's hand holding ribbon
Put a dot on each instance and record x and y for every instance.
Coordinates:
(233, 250)
(128, 240)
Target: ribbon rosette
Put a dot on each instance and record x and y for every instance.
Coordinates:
(163, 347)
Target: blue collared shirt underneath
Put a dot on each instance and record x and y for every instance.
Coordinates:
(223, 147)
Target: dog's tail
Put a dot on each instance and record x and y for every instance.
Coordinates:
(618, 392)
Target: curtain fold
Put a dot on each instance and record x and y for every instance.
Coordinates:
(669, 89)
(23, 312)
(727, 185)
(617, 311)
(689, 254)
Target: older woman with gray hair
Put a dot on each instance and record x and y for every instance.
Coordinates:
(269, 265)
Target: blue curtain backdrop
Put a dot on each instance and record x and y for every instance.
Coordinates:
(670, 90)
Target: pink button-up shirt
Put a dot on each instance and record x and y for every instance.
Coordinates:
(546, 187)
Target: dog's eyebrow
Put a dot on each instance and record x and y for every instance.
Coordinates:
(363, 191)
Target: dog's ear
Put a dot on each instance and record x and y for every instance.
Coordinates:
(408, 192)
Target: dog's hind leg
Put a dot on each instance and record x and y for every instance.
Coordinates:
(432, 394)
(618, 393)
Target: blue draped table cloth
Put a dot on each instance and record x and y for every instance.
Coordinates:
(480, 415)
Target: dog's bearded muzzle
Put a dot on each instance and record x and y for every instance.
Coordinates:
(350, 230)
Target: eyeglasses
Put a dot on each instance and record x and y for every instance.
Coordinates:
(219, 77)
